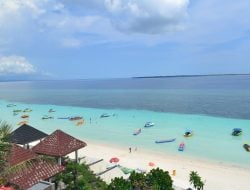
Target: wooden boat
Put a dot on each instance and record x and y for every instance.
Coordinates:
(17, 111)
(79, 123)
(237, 132)
(246, 147)
(25, 116)
(188, 133)
(47, 117)
(181, 147)
(165, 141)
(104, 115)
(63, 117)
(51, 110)
(75, 118)
(10, 105)
(149, 124)
(27, 110)
(137, 132)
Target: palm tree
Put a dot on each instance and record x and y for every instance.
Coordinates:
(5, 130)
(196, 181)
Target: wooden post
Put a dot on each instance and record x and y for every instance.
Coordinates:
(59, 160)
(76, 156)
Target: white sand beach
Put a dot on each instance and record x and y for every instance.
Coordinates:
(217, 176)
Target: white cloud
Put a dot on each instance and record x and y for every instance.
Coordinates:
(15, 65)
(150, 17)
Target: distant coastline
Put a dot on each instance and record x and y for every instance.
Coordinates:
(176, 76)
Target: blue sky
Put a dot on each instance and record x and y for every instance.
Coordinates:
(70, 39)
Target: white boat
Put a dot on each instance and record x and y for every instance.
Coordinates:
(149, 124)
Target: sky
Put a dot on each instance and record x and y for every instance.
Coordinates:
(80, 39)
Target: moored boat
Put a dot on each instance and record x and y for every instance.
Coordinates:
(104, 115)
(188, 133)
(181, 147)
(75, 118)
(47, 117)
(237, 132)
(25, 116)
(10, 105)
(149, 124)
(51, 110)
(137, 132)
(165, 140)
(246, 147)
(27, 110)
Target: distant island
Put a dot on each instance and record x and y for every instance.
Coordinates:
(175, 76)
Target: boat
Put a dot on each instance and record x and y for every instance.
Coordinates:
(79, 123)
(75, 118)
(237, 132)
(181, 147)
(165, 141)
(25, 116)
(11, 105)
(247, 147)
(17, 111)
(47, 117)
(149, 124)
(63, 117)
(51, 110)
(104, 115)
(137, 132)
(27, 110)
(188, 133)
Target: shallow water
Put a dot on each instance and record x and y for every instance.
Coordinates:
(212, 138)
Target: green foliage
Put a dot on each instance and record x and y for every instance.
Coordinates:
(159, 180)
(196, 181)
(119, 184)
(5, 130)
(79, 177)
(138, 181)
(156, 179)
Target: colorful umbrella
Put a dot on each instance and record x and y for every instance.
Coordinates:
(114, 159)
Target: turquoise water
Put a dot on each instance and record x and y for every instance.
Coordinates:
(212, 138)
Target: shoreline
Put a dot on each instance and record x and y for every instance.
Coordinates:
(216, 175)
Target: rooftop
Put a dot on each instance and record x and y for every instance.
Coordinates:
(58, 144)
(26, 134)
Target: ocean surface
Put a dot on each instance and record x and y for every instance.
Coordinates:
(210, 106)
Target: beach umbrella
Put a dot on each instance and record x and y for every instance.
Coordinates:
(152, 164)
(114, 159)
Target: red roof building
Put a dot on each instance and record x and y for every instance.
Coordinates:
(37, 169)
(58, 144)
(19, 155)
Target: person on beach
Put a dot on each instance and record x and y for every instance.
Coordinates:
(130, 149)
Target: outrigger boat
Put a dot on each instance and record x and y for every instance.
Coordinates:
(149, 124)
(237, 132)
(247, 147)
(188, 133)
(181, 147)
(165, 141)
(104, 115)
(25, 116)
(75, 118)
(10, 105)
(27, 110)
(137, 132)
(51, 110)
(47, 117)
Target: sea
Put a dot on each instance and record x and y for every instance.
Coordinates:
(210, 106)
